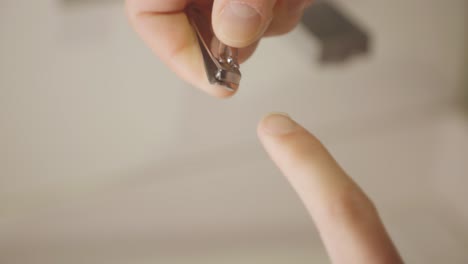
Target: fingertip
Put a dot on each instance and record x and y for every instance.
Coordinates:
(277, 124)
(289, 144)
(220, 92)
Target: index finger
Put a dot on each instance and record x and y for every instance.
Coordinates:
(346, 219)
(164, 26)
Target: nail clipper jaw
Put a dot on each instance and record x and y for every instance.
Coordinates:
(229, 78)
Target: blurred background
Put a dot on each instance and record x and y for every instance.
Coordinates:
(107, 157)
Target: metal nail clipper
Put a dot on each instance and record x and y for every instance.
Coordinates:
(221, 63)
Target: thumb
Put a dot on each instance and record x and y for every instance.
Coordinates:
(241, 23)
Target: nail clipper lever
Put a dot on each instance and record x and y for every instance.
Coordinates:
(221, 64)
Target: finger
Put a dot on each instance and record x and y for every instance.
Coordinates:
(247, 52)
(164, 26)
(346, 219)
(239, 23)
(287, 14)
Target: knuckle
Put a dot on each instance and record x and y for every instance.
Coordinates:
(350, 205)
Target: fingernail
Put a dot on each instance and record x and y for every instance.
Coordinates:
(240, 23)
(278, 124)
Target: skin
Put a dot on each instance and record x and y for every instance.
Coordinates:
(164, 26)
(347, 220)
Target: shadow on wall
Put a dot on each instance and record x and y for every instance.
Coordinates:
(341, 38)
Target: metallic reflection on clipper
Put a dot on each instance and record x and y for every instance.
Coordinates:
(221, 63)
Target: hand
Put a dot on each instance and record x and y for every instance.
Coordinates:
(346, 219)
(164, 26)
